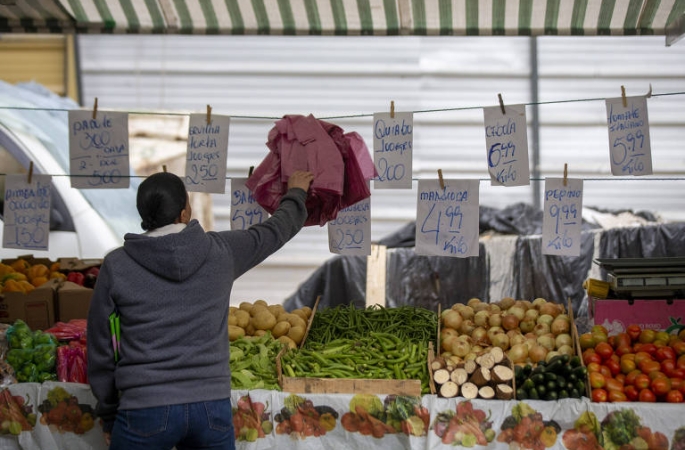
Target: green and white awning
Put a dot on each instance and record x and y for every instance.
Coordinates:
(346, 17)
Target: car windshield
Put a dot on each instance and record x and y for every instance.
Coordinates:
(35, 111)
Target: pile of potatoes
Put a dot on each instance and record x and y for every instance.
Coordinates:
(259, 317)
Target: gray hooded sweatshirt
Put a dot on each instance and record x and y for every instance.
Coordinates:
(172, 293)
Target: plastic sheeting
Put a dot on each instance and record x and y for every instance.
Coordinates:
(510, 263)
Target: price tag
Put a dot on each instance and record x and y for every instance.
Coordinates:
(506, 141)
(245, 211)
(207, 153)
(393, 141)
(562, 220)
(350, 232)
(447, 219)
(629, 143)
(27, 212)
(98, 150)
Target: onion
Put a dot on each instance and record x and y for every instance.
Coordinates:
(517, 339)
(506, 303)
(550, 308)
(446, 343)
(472, 302)
(467, 327)
(466, 338)
(501, 340)
(532, 313)
(481, 318)
(545, 318)
(465, 311)
(460, 348)
(566, 350)
(476, 349)
(492, 331)
(518, 353)
(495, 319)
(541, 328)
(563, 339)
(480, 336)
(494, 308)
(547, 342)
(452, 319)
(510, 321)
(527, 325)
(560, 326)
(537, 353)
(517, 311)
(539, 302)
(482, 306)
(445, 332)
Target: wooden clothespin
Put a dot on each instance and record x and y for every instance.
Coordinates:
(249, 172)
(501, 104)
(164, 167)
(95, 108)
(565, 174)
(442, 182)
(30, 171)
(392, 109)
(623, 96)
(209, 115)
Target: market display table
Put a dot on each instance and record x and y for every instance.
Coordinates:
(325, 421)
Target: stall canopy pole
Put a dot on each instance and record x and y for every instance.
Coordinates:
(675, 31)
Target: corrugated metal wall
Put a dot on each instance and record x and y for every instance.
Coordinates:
(257, 79)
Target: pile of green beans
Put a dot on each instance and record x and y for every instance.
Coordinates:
(408, 323)
(382, 356)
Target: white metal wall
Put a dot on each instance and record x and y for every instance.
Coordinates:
(257, 79)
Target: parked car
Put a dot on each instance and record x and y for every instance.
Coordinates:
(84, 223)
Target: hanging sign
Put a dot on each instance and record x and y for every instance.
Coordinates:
(27, 212)
(562, 219)
(207, 153)
(506, 143)
(245, 211)
(393, 142)
(629, 144)
(350, 232)
(98, 150)
(447, 218)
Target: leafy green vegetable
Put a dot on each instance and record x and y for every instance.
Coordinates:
(620, 427)
(401, 407)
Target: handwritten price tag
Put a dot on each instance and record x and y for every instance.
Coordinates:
(393, 142)
(447, 219)
(207, 153)
(27, 212)
(350, 232)
(629, 144)
(506, 141)
(245, 211)
(98, 150)
(562, 220)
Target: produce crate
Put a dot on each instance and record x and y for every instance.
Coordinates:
(617, 314)
(576, 345)
(310, 321)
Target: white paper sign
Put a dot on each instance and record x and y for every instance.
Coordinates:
(98, 150)
(562, 219)
(506, 142)
(629, 145)
(350, 232)
(447, 219)
(27, 212)
(207, 153)
(245, 211)
(393, 142)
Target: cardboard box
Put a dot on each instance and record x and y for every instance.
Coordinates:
(37, 308)
(73, 301)
(656, 314)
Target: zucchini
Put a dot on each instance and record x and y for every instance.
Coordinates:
(533, 394)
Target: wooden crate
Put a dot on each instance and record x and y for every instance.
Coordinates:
(305, 385)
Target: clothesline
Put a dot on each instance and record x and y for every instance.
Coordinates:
(348, 116)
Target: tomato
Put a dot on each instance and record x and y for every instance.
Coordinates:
(586, 341)
(674, 396)
(642, 381)
(617, 396)
(624, 350)
(627, 366)
(676, 382)
(634, 331)
(647, 336)
(630, 377)
(654, 374)
(649, 366)
(612, 384)
(661, 386)
(599, 337)
(668, 366)
(590, 355)
(593, 367)
(642, 356)
(631, 393)
(614, 367)
(597, 380)
(621, 377)
(649, 348)
(678, 373)
(680, 362)
(622, 340)
(678, 347)
(665, 353)
(604, 370)
(646, 395)
(600, 395)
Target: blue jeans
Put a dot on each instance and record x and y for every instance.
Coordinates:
(205, 425)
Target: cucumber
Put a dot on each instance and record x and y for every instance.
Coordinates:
(551, 395)
(574, 361)
(550, 376)
(533, 394)
(537, 378)
(521, 394)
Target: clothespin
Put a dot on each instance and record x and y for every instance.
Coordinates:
(95, 108)
(30, 171)
(565, 174)
(442, 182)
(164, 167)
(392, 109)
(249, 172)
(649, 92)
(209, 115)
(623, 96)
(501, 104)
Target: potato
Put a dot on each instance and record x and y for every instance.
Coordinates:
(249, 329)
(296, 334)
(307, 311)
(257, 309)
(245, 306)
(289, 342)
(232, 309)
(260, 302)
(232, 320)
(263, 319)
(242, 318)
(296, 321)
(280, 329)
(260, 332)
(235, 332)
(276, 309)
(301, 314)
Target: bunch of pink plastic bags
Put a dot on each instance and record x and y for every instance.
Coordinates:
(340, 161)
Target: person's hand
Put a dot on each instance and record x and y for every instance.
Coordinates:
(300, 179)
(108, 439)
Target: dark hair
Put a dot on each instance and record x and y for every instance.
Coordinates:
(160, 200)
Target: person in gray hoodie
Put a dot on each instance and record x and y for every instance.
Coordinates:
(170, 383)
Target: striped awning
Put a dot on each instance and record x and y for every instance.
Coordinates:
(347, 17)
